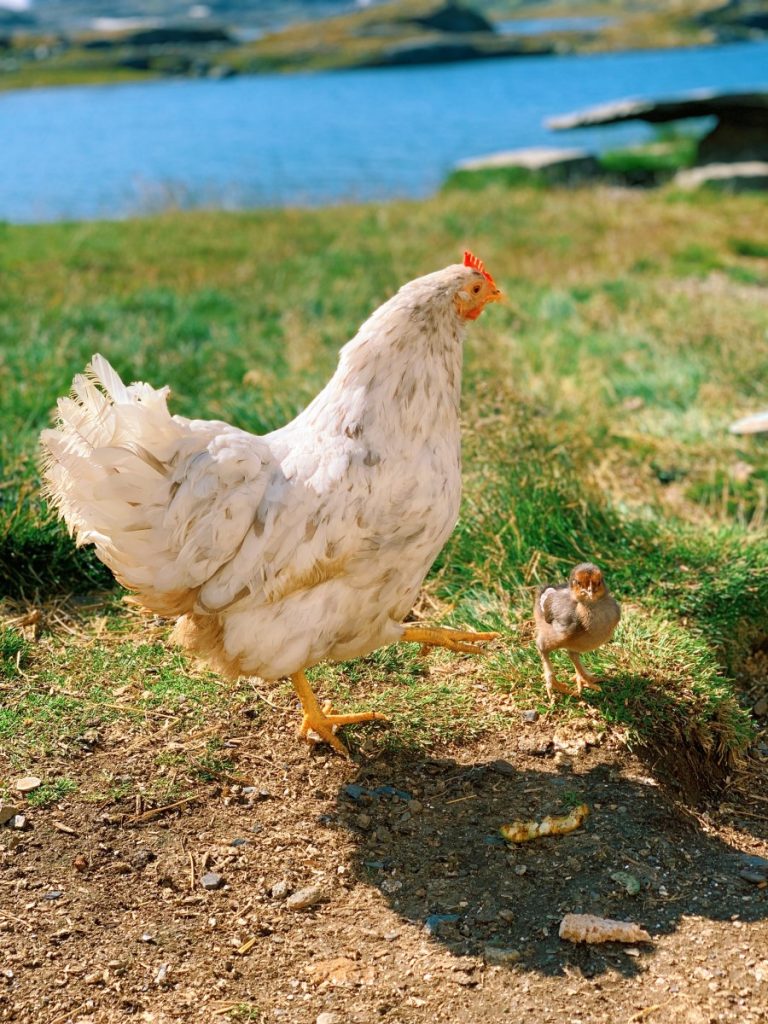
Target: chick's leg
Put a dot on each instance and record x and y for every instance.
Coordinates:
(321, 720)
(583, 678)
(550, 680)
(454, 639)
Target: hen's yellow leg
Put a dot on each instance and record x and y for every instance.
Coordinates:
(454, 639)
(321, 720)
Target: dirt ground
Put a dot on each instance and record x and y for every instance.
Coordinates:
(422, 912)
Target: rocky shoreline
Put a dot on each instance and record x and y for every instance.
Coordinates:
(386, 35)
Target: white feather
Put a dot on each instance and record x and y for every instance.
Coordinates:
(307, 544)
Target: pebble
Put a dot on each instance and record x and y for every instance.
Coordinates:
(141, 857)
(304, 898)
(146, 937)
(437, 923)
(54, 894)
(19, 821)
(761, 707)
(279, 890)
(240, 842)
(754, 869)
(756, 877)
(327, 1018)
(27, 784)
(530, 716)
(211, 881)
(391, 885)
(629, 882)
(7, 813)
(415, 807)
(539, 746)
(498, 955)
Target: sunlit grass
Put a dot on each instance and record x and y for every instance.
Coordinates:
(596, 406)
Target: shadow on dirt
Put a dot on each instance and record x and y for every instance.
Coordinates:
(428, 834)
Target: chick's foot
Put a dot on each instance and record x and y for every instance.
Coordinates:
(454, 639)
(321, 721)
(583, 678)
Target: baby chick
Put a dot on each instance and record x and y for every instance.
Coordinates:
(579, 615)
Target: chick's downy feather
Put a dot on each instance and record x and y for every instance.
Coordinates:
(280, 551)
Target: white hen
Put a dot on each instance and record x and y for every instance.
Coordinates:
(306, 544)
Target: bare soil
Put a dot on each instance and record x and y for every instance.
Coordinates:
(424, 913)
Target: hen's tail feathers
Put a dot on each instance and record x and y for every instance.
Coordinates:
(107, 466)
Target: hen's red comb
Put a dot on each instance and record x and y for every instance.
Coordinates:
(470, 260)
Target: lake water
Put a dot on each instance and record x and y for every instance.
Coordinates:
(113, 151)
(538, 26)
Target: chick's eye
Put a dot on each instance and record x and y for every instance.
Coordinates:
(476, 289)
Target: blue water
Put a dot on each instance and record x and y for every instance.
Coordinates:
(537, 26)
(113, 151)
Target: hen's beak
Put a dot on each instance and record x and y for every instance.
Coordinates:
(471, 308)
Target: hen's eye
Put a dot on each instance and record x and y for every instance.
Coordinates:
(476, 289)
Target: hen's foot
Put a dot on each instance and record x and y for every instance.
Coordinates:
(454, 639)
(321, 721)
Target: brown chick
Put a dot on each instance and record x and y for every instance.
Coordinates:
(577, 616)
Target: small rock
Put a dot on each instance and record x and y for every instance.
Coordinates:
(538, 746)
(141, 857)
(80, 863)
(496, 955)
(256, 794)
(756, 877)
(530, 716)
(19, 821)
(240, 842)
(93, 978)
(629, 882)
(504, 767)
(462, 978)
(520, 869)
(211, 881)
(7, 813)
(390, 886)
(761, 707)
(304, 898)
(363, 821)
(146, 937)
(27, 784)
(436, 924)
(415, 807)
(162, 974)
(54, 894)
(279, 890)
(327, 1018)
(756, 864)
(486, 914)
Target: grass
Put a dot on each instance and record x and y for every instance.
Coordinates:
(596, 407)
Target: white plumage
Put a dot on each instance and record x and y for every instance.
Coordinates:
(306, 544)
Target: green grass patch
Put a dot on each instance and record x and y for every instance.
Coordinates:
(595, 407)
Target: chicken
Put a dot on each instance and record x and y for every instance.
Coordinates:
(579, 615)
(304, 545)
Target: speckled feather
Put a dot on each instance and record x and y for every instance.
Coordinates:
(306, 544)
